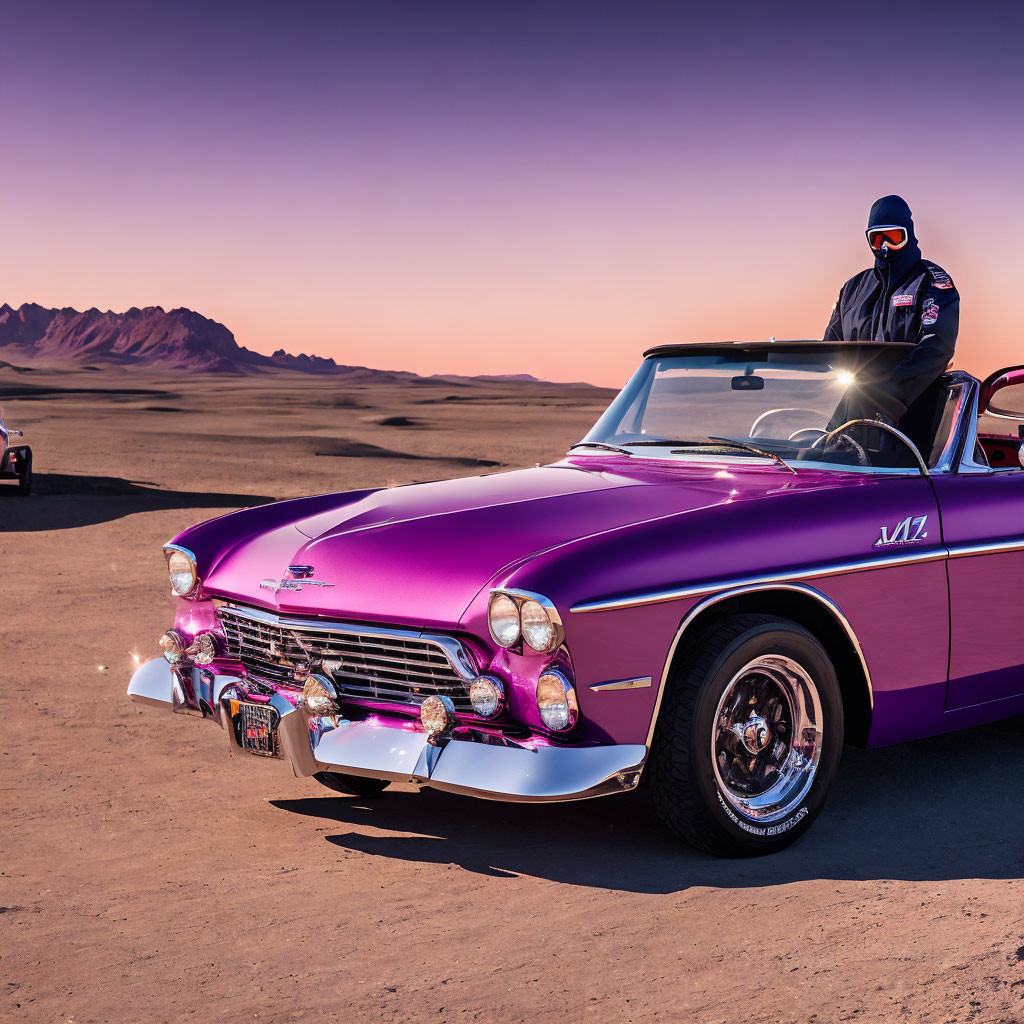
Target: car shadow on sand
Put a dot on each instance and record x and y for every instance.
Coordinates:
(935, 810)
(59, 501)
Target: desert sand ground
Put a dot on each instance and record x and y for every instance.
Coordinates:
(147, 875)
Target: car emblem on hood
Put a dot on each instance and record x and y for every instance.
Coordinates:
(276, 585)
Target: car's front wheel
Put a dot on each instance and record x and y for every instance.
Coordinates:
(749, 737)
(354, 785)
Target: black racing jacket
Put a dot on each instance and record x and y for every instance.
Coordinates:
(921, 305)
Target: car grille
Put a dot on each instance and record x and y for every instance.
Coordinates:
(386, 665)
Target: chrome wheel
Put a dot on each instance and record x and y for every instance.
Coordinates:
(766, 738)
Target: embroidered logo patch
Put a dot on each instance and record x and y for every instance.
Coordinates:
(941, 279)
(929, 312)
(903, 300)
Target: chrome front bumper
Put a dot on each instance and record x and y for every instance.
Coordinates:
(385, 748)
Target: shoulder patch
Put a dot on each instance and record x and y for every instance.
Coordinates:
(929, 312)
(939, 277)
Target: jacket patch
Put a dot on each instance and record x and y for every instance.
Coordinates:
(940, 278)
(903, 300)
(929, 312)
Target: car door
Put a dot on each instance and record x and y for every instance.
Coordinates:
(983, 527)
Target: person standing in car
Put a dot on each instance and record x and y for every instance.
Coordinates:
(901, 298)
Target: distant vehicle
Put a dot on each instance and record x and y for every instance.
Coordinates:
(15, 459)
(717, 587)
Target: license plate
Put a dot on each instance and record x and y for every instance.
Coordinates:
(258, 729)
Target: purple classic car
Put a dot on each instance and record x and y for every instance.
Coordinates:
(729, 577)
(15, 459)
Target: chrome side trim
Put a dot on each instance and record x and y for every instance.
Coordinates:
(761, 582)
(993, 548)
(622, 684)
(714, 599)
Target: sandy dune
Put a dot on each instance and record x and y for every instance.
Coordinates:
(147, 875)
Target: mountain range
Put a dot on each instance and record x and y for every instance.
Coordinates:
(154, 337)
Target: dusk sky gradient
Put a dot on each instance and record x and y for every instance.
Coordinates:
(500, 188)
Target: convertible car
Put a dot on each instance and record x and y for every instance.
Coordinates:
(729, 577)
(15, 459)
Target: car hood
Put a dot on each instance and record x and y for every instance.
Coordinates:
(418, 555)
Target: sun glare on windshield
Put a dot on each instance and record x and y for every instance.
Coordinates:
(780, 403)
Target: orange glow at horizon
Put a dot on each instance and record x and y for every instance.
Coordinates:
(546, 299)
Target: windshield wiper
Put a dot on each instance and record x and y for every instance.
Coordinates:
(600, 444)
(737, 444)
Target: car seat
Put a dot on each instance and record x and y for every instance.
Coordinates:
(924, 417)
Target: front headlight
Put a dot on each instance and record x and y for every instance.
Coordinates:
(538, 629)
(181, 567)
(503, 620)
(518, 614)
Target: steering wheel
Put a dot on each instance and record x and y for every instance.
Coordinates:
(815, 432)
(761, 423)
(843, 442)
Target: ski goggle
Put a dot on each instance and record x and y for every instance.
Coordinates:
(890, 235)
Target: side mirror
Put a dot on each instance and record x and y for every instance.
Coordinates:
(1002, 394)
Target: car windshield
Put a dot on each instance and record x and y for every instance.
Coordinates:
(760, 402)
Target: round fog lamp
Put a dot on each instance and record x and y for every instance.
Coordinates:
(202, 650)
(503, 620)
(319, 695)
(172, 645)
(437, 713)
(556, 701)
(487, 696)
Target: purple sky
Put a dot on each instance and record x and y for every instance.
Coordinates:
(478, 187)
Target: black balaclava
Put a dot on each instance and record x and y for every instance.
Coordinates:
(894, 210)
